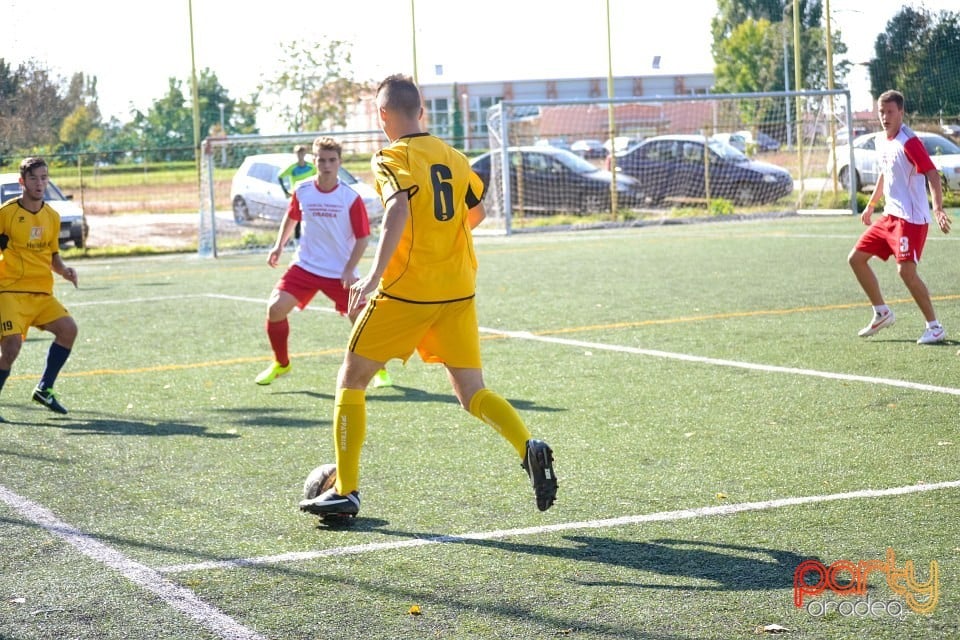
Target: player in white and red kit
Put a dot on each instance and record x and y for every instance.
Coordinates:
(905, 170)
(335, 233)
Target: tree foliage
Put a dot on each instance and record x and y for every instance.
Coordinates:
(753, 52)
(919, 55)
(317, 88)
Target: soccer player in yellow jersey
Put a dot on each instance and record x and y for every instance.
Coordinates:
(420, 296)
(30, 241)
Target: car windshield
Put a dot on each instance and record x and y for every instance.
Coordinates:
(726, 151)
(13, 190)
(575, 163)
(939, 146)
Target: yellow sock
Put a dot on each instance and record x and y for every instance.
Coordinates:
(500, 414)
(349, 432)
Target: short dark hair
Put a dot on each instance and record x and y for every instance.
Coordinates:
(31, 163)
(401, 94)
(891, 95)
(326, 143)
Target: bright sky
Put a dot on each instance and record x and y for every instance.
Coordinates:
(135, 47)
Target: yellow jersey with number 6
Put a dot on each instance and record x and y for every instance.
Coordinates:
(435, 260)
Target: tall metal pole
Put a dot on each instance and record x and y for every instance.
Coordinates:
(611, 120)
(223, 132)
(195, 93)
(413, 27)
(786, 80)
(797, 84)
(833, 125)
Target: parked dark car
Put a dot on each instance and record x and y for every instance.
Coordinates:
(557, 180)
(674, 167)
(588, 149)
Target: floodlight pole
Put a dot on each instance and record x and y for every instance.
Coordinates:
(797, 86)
(413, 27)
(786, 79)
(611, 122)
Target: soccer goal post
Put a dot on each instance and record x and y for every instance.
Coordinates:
(684, 165)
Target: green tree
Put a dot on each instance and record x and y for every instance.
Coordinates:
(31, 109)
(168, 125)
(82, 128)
(753, 45)
(317, 87)
(919, 54)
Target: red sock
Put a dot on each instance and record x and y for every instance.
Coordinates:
(278, 332)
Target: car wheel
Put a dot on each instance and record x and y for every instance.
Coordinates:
(78, 242)
(845, 178)
(595, 203)
(745, 195)
(241, 213)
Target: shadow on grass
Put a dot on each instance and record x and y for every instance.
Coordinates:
(108, 426)
(399, 393)
(721, 566)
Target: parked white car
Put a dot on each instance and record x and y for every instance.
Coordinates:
(256, 193)
(944, 153)
(73, 224)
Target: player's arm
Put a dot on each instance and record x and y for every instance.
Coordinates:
(360, 246)
(58, 266)
(360, 224)
(936, 194)
(476, 212)
(476, 215)
(872, 203)
(285, 232)
(917, 154)
(394, 221)
(285, 174)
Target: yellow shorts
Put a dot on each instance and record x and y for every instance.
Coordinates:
(20, 311)
(442, 332)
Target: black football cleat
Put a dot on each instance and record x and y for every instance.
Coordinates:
(331, 503)
(538, 463)
(47, 398)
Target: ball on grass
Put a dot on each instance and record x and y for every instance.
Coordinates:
(319, 480)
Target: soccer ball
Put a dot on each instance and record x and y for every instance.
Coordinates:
(319, 480)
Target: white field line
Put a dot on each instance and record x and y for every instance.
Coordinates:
(178, 597)
(655, 353)
(918, 386)
(663, 516)
(525, 335)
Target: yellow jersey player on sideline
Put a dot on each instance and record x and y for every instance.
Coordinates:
(30, 242)
(420, 296)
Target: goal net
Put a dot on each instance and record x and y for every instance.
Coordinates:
(241, 198)
(672, 156)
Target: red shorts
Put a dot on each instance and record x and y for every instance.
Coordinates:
(893, 236)
(303, 285)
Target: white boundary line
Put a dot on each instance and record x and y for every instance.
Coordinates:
(662, 516)
(180, 598)
(186, 601)
(917, 386)
(655, 353)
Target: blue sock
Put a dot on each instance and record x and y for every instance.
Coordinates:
(56, 358)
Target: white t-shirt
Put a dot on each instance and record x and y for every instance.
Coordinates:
(902, 160)
(330, 223)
